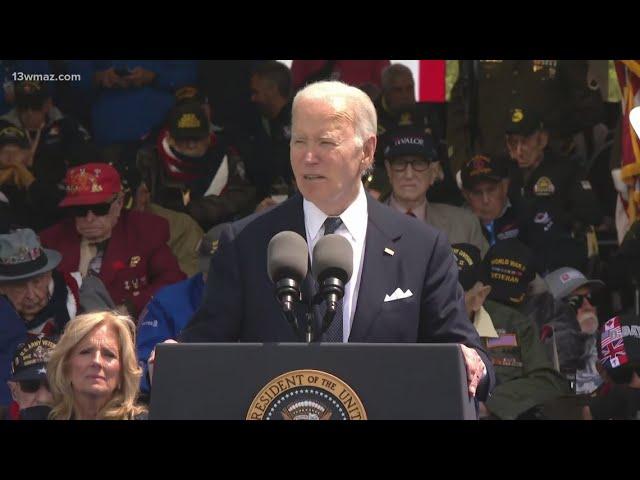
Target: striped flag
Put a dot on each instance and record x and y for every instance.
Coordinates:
(430, 78)
(628, 73)
(612, 348)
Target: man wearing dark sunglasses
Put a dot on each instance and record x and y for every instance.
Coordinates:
(576, 325)
(125, 249)
(28, 382)
(411, 161)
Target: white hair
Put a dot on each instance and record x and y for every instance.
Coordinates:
(393, 71)
(344, 98)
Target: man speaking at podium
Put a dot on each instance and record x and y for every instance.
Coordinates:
(404, 285)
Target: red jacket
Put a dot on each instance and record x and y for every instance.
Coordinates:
(137, 261)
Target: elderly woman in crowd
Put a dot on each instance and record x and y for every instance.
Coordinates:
(93, 371)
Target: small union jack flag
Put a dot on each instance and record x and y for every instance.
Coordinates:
(612, 323)
(612, 346)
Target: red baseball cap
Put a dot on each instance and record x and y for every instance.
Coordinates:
(90, 184)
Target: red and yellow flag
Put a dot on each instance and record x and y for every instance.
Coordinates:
(628, 72)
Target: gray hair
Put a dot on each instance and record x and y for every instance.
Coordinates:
(345, 98)
(392, 72)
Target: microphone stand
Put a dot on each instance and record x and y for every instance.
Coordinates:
(329, 315)
(334, 290)
(287, 290)
(310, 334)
(309, 337)
(288, 294)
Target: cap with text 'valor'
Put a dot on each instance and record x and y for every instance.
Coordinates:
(409, 141)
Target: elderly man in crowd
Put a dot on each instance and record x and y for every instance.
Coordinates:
(28, 382)
(127, 250)
(34, 297)
(410, 161)
(485, 184)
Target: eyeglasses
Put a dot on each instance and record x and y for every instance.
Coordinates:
(418, 164)
(576, 301)
(32, 386)
(98, 209)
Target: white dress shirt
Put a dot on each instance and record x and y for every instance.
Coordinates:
(354, 229)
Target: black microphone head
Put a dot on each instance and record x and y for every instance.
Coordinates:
(333, 257)
(287, 257)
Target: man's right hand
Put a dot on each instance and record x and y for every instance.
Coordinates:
(152, 359)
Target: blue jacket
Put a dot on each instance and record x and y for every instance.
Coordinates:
(165, 316)
(13, 331)
(119, 115)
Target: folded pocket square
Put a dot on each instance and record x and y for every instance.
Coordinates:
(398, 295)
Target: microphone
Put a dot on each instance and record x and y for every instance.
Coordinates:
(332, 266)
(287, 265)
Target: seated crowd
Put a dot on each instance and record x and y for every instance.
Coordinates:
(107, 230)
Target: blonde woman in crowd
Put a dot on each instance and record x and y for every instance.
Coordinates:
(93, 371)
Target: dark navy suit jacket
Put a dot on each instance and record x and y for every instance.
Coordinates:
(240, 305)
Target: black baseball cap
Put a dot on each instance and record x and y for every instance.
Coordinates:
(523, 120)
(188, 121)
(30, 359)
(508, 267)
(469, 264)
(409, 141)
(482, 168)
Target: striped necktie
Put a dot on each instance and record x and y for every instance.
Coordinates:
(334, 332)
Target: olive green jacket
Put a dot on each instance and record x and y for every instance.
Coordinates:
(525, 375)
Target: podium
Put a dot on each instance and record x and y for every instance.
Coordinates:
(332, 381)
